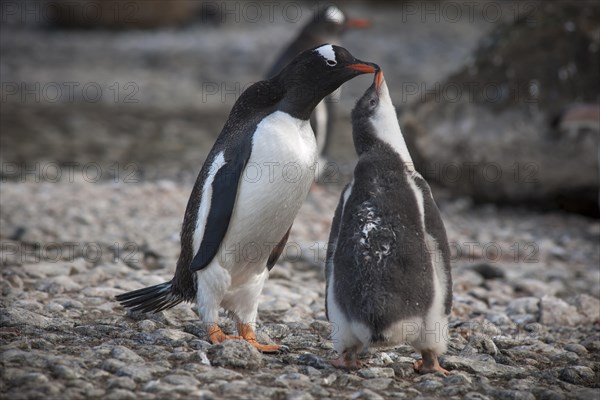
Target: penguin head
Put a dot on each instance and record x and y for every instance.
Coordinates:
(374, 117)
(315, 73)
(330, 21)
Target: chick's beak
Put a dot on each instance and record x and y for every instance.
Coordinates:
(358, 23)
(378, 81)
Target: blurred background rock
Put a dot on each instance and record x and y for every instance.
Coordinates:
(488, 92)
(520, 122)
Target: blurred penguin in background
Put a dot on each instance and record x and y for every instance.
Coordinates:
(327, 26)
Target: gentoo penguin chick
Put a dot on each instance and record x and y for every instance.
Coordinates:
(326, 26)
(242, 206)
(388, 261)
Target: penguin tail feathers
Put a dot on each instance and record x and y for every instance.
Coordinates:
(151, 299)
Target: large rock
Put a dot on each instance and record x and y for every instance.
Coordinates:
(494, 129)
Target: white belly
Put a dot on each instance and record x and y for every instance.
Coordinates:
(272, 188)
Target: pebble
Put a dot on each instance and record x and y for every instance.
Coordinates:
(311, 372)
(429, 385)
(235, 354)
(181, 380)
(534, 287)
(313, 361)
(219, 373)
(146, 326)
(475, 396)
(378, 384)
(376, 372)
(587, 306)
(54, 307)
(506, 394)
(505, 342)
(121, 394)
(524, 305)
(480, 344)
(294, 380)
(592, 342)
(57, 285)
(498, 318)
(524, 319)
(453, 390)
(555, 311)
(201, 358)
(64, 372)
(140, 372)
(365, 394)
(576, 348)
(548, 394)
(121, 383)
(457, 379)
(47, 269)
(567, 357)
(122, 353)
(578, 375)
(488, 271)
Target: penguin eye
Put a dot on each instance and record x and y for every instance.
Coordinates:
(331, 63)
(373, 102)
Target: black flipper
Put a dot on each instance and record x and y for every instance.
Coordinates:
(277, 250)
(150, 299)
(435, 226)
(225, 187)
(333, 238)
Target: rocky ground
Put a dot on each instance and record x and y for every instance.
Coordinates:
(524, 323)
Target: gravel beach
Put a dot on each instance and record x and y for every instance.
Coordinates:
(526, 316)
(525, 323)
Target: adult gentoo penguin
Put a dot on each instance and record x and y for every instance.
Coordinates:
(388, 261)
(242, 206)
(326, 26)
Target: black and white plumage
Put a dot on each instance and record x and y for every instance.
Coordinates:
(327, 25)
(388, 261)
(246, 196)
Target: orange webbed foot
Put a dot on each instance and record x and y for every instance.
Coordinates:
(216, 335)
(247, 333)
(429, 364)
(346, 361)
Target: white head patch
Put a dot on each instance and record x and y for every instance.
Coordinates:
(335, 15)
(326, 51)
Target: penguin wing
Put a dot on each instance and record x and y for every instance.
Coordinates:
(333, 237)
(222, 202)
(277, 250)
(434, 226)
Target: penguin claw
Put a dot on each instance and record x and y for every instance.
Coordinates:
(283, 349)
(265, 348)
(422, 369)
(221, 339)
(344, 363)
(247, 333)
(216, 335)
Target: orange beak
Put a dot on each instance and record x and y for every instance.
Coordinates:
(364, 68)
(358, 23)
(378, 81)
